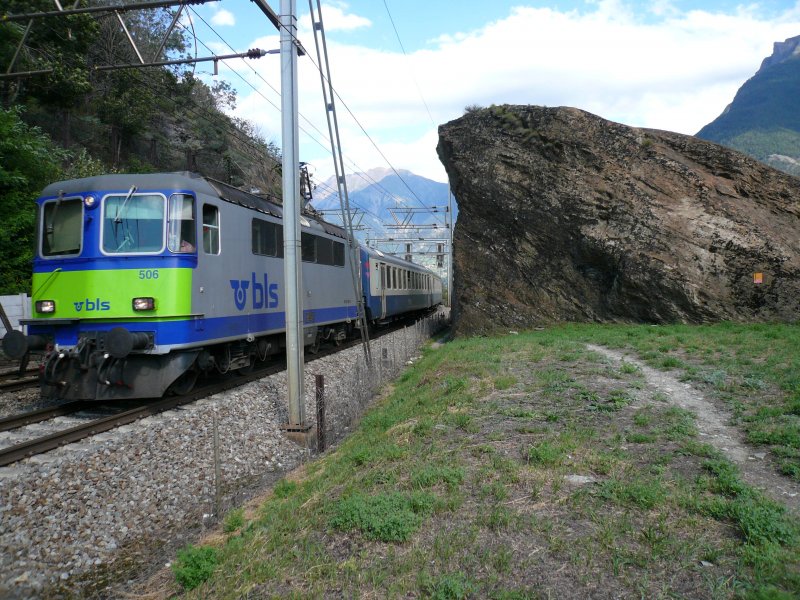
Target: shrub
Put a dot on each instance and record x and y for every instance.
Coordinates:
(194, 565)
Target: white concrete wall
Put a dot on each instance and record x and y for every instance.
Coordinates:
(16, 307)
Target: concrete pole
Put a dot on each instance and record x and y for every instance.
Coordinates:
(450, 250)
(291, 216)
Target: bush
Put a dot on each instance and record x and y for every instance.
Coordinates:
(194, 565)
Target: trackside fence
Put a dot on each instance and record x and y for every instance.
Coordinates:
(349, 391)
(16, 307)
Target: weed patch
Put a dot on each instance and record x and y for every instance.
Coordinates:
(643, 493)
(195, 564)
(390, 517)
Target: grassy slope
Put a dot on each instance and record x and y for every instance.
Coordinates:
(457, 482)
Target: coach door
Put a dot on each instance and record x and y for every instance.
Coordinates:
(383, 291)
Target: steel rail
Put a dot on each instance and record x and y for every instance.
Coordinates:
(52, 441)
(42, 414)
(13, 385)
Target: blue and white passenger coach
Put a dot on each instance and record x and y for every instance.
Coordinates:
(394, 287)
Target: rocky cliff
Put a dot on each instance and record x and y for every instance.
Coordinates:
(565, 216)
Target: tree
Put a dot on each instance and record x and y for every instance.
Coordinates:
(28, 161)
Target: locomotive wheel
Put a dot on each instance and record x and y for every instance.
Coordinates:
(249, 368)
(314, 348)
(185, 383)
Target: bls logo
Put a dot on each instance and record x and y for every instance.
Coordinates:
(91, 305)
(265, 295)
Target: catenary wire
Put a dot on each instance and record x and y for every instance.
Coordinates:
(416, 84)
(353, 116)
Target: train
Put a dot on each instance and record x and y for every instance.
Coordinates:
(144, 282)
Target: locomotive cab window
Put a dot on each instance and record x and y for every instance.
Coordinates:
(133, 223)
(61, 227)
(181, 235)
(210, 229)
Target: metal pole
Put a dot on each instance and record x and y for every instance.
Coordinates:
(291, 216)
(4, 319)
(320, 383)
(217, 470)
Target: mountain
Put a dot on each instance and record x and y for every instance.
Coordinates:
(764, 118)
(375, 193)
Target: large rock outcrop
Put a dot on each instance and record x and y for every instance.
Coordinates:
(565, 216)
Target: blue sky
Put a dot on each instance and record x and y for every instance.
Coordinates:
(664, 64)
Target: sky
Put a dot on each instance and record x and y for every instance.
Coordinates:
(663, 64)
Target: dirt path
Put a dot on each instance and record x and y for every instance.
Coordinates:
(712, 423)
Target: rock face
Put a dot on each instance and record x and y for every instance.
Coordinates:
(565, 216)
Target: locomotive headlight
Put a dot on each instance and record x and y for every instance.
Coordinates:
(144, 303)
(45, 306)
(90, 202)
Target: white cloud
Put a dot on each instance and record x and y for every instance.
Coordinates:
(223, 17)
(335, 18)
(675, 71)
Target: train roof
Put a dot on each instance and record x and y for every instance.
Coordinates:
(398, 262)
(185, 180)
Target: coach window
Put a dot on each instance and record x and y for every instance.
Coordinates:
(264, 238)
(210, 229)
(324, 251)
(338, 254)
(180, 229)
(308, 247)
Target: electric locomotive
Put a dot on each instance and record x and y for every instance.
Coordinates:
(143, 282)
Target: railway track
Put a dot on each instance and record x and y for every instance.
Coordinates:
(12, 381)
(90, 427)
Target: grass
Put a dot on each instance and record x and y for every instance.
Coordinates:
(529, 467)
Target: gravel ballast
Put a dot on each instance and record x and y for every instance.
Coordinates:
(89, 516)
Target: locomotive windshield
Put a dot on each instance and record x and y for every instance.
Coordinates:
(61, 227)
(133, 223)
